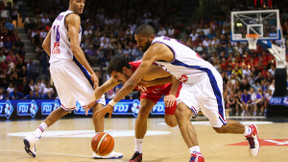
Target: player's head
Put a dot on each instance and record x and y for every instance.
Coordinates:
(119, 69)
(144, 35)
(77, 6)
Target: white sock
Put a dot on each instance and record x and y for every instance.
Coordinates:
(247, 131)
(194, 149)
(38, 132)
(138, 145)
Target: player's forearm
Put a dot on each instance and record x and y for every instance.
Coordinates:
(175, 85)
(124, 91)
(80, 56)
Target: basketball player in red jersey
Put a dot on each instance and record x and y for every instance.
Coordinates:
(152, 89)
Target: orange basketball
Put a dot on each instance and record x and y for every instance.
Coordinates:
(102, 144)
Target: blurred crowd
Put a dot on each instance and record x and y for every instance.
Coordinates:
(108, 32)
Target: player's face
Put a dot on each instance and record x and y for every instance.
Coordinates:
(143, 42)
(77, 6)
(120, 77)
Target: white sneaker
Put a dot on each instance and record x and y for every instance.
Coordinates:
(112, 155)
(253, 140)
(31, 142)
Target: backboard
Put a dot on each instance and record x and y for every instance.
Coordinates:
(265, 23)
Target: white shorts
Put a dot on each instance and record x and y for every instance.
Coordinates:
(207, 95)
(72, 84)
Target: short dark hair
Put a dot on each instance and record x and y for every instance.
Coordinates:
(145, 30)
(117, 64)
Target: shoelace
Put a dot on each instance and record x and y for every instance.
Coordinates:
(251, 142)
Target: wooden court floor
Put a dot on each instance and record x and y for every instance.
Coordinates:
(166, 147)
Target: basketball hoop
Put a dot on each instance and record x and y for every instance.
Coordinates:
(252, 41)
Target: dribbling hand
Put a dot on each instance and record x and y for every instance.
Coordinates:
(101, 113)
(88, 106)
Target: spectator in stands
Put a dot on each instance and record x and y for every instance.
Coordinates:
(9, 25)
(231, 103)
(246, 100)
(16, 95)
(2, 94)
(10, 88)
(257, 100)
(31, 70)
(29, 96)
(47, 95)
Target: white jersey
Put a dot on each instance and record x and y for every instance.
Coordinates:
(187, 66)
(60, 44)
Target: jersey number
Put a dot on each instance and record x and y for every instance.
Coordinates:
(56, 49)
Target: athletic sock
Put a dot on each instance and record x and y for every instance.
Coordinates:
(38, 132)
(247, 131)
(138, 145)
(194, 149)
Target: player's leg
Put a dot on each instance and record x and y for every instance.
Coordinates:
(183, 115)
(213, 107)
(171, 120)
(98, 123)
(146, 106)
(31, 141)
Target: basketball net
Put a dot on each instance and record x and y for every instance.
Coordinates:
(252, 41)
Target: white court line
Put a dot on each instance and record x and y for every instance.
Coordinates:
(89, 133)
(243, 122)
(49, 153)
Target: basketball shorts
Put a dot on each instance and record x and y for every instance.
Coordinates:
(156, 96)
(72, 84)
(206, 95)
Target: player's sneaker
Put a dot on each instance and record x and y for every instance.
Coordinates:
(197, 157)
(137, 157)
(112, 155)
(31, 142)
(253, 140)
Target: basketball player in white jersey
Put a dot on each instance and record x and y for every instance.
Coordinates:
(202, 87)
(73, 77)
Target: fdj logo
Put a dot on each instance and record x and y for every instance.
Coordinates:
(48, 107)
(6, 109)
(135, 107)
(158, 109)
(27, 108)
(276, 101)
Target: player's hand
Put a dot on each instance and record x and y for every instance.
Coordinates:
(88, 106)
(169, 100)
(101, 113)
(95, 80)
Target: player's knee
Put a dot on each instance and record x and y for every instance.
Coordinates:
(171, 121)
(143, 113)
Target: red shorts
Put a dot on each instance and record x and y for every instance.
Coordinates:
(157, 93)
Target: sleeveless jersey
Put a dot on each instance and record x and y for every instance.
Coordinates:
(187, 66)
(153, 89)
(60, 43)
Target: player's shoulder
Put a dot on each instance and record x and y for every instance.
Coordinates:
(72, 17)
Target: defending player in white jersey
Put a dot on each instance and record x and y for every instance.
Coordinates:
(73, 77)
(202, 87)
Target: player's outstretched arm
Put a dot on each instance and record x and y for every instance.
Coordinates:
(109, 84)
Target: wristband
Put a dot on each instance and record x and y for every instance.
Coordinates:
(112, 102)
